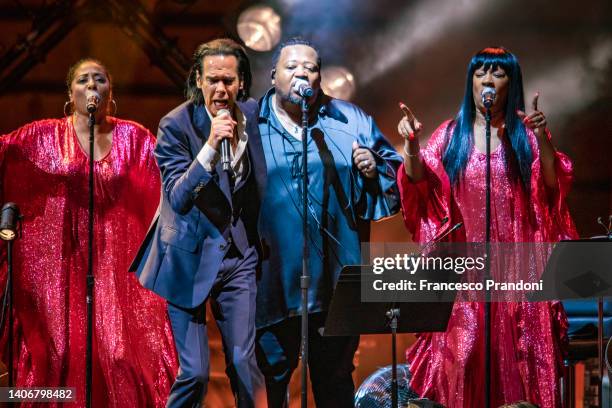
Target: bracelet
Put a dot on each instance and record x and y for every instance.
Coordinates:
(408, 154)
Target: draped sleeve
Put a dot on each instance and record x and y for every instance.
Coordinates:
(426, 203)
(550, 205)
(378, 198)
(10, 146)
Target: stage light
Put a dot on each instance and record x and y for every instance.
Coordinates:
(338, 82)
(259, 27)
(8, 221)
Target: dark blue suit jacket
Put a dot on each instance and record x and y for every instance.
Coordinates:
(185, 245)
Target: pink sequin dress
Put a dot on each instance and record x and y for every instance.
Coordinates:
(527, 338)
(45, 171)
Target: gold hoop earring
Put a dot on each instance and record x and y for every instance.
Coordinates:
(69, 104)
(115, 105)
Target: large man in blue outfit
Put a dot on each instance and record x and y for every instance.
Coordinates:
(204, 243)
(351, 173)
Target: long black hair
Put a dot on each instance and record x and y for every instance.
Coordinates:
(462, 139)
(221, 46)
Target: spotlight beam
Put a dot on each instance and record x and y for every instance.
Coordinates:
(582, 79)
(415, 30)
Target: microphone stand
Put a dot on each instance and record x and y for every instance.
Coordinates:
(9, 283)
(393, 313)
(487, 311)
(90, 276)
(305, 278)
(7, 305)
(9, 288)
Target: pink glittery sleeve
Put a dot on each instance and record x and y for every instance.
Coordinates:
(426, 203)
(6, 145)
(550, 206)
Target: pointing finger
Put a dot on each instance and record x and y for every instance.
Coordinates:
(534, 104)
(408, 114)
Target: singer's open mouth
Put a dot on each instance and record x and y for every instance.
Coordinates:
(221, 104)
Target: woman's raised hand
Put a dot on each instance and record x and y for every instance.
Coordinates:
(536, 120)
(409, 127)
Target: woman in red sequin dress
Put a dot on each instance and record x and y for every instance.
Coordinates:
(530, 181)
(44, 169)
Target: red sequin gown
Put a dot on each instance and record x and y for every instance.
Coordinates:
(527, 338)
(44, 170)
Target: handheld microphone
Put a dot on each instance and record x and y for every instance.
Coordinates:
(93, 99)
(488, 95)
(225, 145)
(303, 88)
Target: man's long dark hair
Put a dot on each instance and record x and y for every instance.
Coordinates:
(221, 46)
(462, 139)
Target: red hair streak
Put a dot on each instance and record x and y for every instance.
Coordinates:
(493, 50)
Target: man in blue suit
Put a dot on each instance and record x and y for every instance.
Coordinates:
(204, 244)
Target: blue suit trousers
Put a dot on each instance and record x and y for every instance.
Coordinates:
(232, 300)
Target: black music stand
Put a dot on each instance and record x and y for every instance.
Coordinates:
(577, 269)
(349, 316)
(580, 269)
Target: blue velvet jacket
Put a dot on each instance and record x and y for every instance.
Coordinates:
(186, 243)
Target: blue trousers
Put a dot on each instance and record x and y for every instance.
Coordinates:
(232, 300)
(330, 362)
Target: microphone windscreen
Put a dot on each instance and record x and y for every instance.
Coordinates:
(93, 99)
(488, 95)
(488, 91)
(223, 112)
(302, 87)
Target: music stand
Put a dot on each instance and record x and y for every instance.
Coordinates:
(580, 269)
(349, 316)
